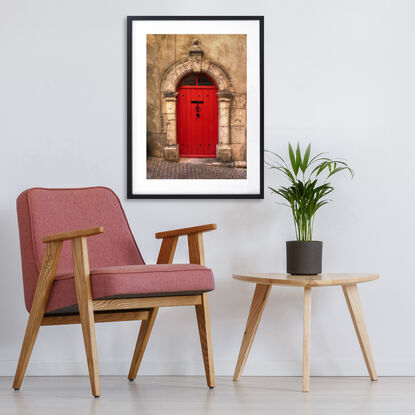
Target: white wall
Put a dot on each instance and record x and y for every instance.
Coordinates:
(338, 73)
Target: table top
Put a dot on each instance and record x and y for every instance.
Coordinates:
(319, 280)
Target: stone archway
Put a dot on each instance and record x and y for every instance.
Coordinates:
(196, 63)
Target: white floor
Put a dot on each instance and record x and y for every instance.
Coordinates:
(189, 395)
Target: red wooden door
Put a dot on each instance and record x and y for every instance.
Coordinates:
(197, 116)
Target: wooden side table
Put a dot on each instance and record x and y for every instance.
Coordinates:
(264, 282)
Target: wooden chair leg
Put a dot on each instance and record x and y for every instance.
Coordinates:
(306, 339)
(86, 310)
(142, 340)
(166, 255)
(203, 323)
(40, 301)
(255, 313)
(351, 295)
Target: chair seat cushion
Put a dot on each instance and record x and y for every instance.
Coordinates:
(131, 281)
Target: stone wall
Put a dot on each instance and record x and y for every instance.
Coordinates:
(168, 58)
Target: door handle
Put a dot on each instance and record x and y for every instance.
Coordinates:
(197, 106)
(197, 110)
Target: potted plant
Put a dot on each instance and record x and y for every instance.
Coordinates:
(306, 193)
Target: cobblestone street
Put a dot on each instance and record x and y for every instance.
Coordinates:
(158, 168)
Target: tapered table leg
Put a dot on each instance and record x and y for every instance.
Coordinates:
(306, 339)
(351, 294)
(255, 313)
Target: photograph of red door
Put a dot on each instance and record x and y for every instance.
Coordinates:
(197, 116)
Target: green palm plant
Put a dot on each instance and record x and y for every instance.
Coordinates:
(308, 187)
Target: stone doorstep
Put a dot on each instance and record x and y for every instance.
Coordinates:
(213, 162)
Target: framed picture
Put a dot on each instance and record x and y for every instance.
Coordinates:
(195, 107)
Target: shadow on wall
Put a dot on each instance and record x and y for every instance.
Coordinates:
(10, 281)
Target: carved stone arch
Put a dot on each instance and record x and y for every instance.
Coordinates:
(178, 70)
(196, 63)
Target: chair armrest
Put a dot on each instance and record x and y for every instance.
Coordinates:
(186, 231)
(194, 239)
(73, 234)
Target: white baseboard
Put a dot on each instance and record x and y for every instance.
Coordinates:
(222, 368)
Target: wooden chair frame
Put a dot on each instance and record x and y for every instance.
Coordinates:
(126, 309)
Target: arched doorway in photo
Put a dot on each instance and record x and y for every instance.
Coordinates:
(197, 116)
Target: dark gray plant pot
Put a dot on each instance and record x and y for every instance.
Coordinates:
(304, 258)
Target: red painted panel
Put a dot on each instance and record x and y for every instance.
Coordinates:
(197, 122)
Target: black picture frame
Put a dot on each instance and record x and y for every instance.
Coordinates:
(130, 193)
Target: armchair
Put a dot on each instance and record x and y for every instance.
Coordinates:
(103, 277)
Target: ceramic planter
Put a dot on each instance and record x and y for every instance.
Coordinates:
(304, 258)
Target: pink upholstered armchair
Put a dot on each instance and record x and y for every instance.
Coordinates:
(104, 279)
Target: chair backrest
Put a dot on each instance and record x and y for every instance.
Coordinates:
(44, 212)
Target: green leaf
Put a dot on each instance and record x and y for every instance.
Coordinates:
(306, 158)
(292, 159)
(336, 170)
(317, 158)
(278, 156)
(298, 161)
(319, 168)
